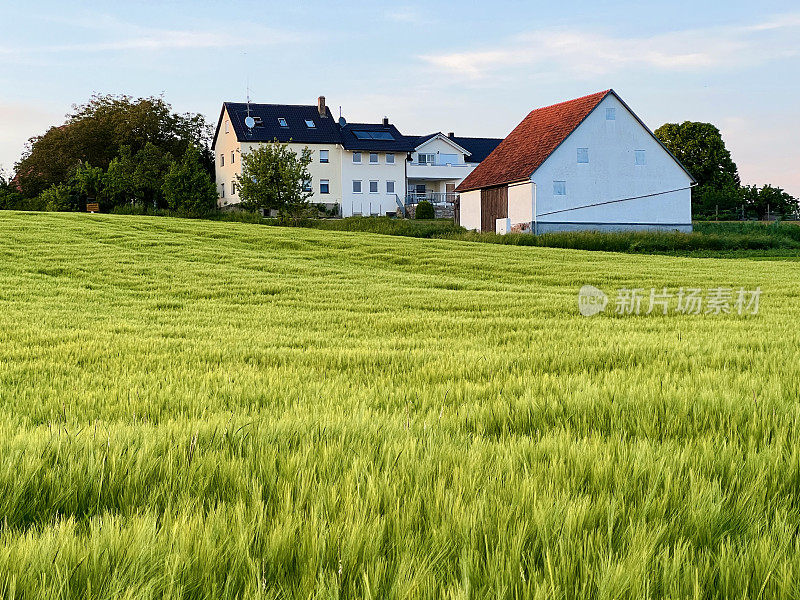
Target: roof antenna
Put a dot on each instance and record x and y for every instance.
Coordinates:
(249, 121)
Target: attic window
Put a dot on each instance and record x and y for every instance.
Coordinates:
(310, 124)
(373, 135)
(611, 114)
(640, 157)
(559, 188)
(282, 122)
(583, 155)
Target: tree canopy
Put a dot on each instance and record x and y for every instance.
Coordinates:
(275, 178)
(701, 149)
(95, 133)
(187, 186)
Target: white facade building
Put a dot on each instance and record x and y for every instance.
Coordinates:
(359, 168)
(589, 163)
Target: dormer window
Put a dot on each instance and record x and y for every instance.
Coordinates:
(258, 122)
(282, 122)
(310, 124)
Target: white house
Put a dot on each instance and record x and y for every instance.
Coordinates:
(440, 162)
(363, 168)
(589, 163)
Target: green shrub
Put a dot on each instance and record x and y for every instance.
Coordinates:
(58, 198)
(425, 210)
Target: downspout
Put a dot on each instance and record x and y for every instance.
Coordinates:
(535, 211)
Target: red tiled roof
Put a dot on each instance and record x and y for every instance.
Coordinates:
(531, 142)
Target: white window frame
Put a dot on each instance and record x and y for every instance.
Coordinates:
(583, 153)
(377, 186)
(640, 158)
(360, 186)
(559, 187)
(310, 123)
(327, 184)
(611, 114)
(356, 158)
(426, 155)
(324, 156)
(390, 191)
(377, 158)
(390, 158)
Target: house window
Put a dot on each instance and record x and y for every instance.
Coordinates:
(233, 188)
(233, 157)
(426, 159)
(323, 156)
(221, 190)
(559, 188)
(221, 160)
(310, 124)
(307, 185)
(583, 155)
(282, 122)
(373, 187)
(611, 114)
(390, 187)
(640, 157)
(324, 186)
(356, 186)
(373, 158)
(226, 125)
(357, 157)
(390, 159)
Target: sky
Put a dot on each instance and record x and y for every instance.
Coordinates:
(474, 68)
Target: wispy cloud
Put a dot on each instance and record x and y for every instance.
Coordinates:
(585, 52)
(111, 35)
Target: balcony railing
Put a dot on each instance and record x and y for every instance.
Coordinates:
(432, 197)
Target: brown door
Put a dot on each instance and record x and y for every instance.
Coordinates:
(494, 205)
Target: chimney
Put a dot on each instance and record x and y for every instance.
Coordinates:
(321, 106)
(451, 135)
(385, 120)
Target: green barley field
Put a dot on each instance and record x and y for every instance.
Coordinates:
(195, 409)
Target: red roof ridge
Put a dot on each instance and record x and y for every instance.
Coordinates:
(531, 142)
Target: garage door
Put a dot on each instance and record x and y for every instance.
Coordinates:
(494, 205)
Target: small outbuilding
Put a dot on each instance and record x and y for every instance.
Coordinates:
(589, 163)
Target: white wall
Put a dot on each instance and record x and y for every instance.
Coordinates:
(226, 143)
(611, 174)
(520, 203)
(379, 203)
(470, 210)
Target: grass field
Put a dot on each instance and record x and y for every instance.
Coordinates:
(193, 409)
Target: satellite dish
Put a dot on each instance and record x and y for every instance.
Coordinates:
(250, 122)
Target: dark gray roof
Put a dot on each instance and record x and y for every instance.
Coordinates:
(376, 137)
(325, 130)
(479, 148)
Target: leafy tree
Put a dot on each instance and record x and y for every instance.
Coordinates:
(188, 186)
(59, 198)
(701, 149)
(95, 133)
(424, 210)
(152, 165)
(275, 177)
(768, 201)
(118, 179)
(89, 182)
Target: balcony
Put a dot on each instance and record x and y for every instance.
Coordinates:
(439, 171)
(435, 198)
